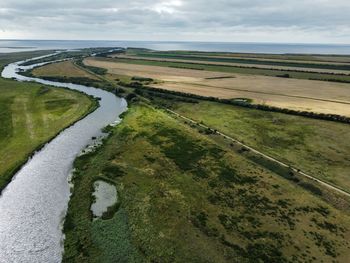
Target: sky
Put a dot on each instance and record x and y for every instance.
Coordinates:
(280, 21)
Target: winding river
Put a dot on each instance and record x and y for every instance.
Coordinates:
(33, 205)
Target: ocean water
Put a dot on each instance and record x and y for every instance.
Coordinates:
(7, 46)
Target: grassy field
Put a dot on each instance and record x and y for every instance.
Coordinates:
(6, 58)
(185, 198)
(75, 72)
(62, 69)
(321, 148)
(296, 94)
(30, 115)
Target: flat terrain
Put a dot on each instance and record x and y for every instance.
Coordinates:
(6, 58)
(269, 64)
(321, 148)
(30, 115)
(305, 58)
(185, 198)
(297, 94)
(62, 69)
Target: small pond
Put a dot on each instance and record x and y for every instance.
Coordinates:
(105, 196)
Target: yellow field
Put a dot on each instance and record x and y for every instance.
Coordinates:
(65, 68)
(298, 94)
(301, 69)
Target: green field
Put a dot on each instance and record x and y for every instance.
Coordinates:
(30, 115)
(321, 148)
(74, 72)
(6, 58)
(185, 198)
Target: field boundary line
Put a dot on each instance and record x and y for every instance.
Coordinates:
(260, 92)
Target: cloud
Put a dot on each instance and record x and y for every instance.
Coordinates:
(203, 20)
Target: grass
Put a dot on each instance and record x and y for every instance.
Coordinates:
(67, 55)
(290, 57)
(235, 69)
(243, 60)
(30, 115)
(186, 198)
(320, 148)
(6, 58)
(295, 94)
(62, 69)
(70, 72)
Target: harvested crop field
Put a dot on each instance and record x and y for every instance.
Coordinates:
(306, 95)
(66, 68)
(250, 65)
(155, 72)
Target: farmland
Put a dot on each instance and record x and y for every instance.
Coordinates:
(297, 94)
(185, 193)
(62, 69)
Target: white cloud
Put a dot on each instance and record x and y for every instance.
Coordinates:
(203, 20)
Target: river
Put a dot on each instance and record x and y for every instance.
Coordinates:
(34, 204)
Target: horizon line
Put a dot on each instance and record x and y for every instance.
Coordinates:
(181, 41)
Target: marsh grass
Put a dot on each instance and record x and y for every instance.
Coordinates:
(202, 204)
(318, 147)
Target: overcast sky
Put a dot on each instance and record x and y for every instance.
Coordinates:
(303, 21)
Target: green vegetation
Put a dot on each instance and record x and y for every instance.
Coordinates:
(288, 57)
(318, 147)
(151, 92)
(32, 114)
(237, 69)
(96, 70)
(186, 198)
(243, 60)
(70, 73)
(67, 55)
(6, 58)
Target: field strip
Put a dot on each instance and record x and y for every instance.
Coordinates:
(262, 92)
(90, 72)
(298, 171)
(239, 65)
(312, 62)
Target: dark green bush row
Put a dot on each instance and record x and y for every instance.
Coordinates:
(197, 66)
(96, 70)
(308, 114)
(248, 61)
(136, 78)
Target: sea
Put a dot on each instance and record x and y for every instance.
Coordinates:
(7, 46)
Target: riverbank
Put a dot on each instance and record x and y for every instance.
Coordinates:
(184, 197)
(31, 116)
(34, 203)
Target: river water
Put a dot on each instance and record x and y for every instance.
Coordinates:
(33, 205)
